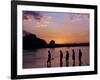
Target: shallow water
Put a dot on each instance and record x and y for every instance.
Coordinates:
(38, 58)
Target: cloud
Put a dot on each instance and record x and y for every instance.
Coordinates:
(71, 27)
(31, 14)
(44, 22)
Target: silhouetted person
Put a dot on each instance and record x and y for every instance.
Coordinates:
(67, 58)
(49, 59)
(73, 57)
(80, 57)
(61, 58)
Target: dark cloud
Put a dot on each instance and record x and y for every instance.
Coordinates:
(36, 15)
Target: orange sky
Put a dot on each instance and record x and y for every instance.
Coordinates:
(60, 27)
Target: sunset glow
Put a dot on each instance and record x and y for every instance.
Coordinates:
(62, 27)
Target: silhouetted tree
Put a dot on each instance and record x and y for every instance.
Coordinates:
(31, 41)
(52, 43)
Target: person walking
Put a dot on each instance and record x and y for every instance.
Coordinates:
(49, 59)
(67, 58)
(73, 57)
(80, 57)
(61, 58)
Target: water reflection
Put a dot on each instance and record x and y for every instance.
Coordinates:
(56, 57)
(80, 63)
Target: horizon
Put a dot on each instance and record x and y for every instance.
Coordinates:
(62, 27)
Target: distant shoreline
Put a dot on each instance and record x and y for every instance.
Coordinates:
(69, 45)
(31, 41)
(61, 45)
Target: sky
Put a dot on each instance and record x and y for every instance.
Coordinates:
(62, 27)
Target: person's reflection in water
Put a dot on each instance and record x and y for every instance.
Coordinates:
(61, 58)
(80, 57)
(49, 59)
(73, 57)
(67, 58)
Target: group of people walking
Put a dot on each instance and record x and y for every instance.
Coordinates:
(66, 58)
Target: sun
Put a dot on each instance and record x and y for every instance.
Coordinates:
(60, 41)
